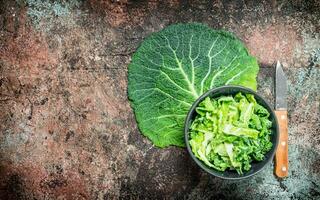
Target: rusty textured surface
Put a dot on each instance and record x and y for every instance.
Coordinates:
(66, 127)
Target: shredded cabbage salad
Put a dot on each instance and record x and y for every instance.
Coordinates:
(230, 132)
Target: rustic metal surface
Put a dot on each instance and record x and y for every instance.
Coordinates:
(66, 127)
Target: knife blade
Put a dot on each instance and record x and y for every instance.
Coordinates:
(281, 158)
(281, 88)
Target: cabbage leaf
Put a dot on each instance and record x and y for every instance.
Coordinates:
(173, 67)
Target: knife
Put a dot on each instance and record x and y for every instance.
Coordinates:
(281, 158)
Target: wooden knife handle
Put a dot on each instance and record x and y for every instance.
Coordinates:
(281, 162)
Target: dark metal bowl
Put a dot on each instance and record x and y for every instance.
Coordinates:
(256, 166)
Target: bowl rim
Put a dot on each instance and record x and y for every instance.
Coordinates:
(186, 131)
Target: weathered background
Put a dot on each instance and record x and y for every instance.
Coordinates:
(66, 127)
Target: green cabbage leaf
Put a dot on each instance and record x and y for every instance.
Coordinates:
(174, 66)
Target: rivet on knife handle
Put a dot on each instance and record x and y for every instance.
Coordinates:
(281, 169)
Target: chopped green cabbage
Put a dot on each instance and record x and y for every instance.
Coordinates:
(230, 132)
